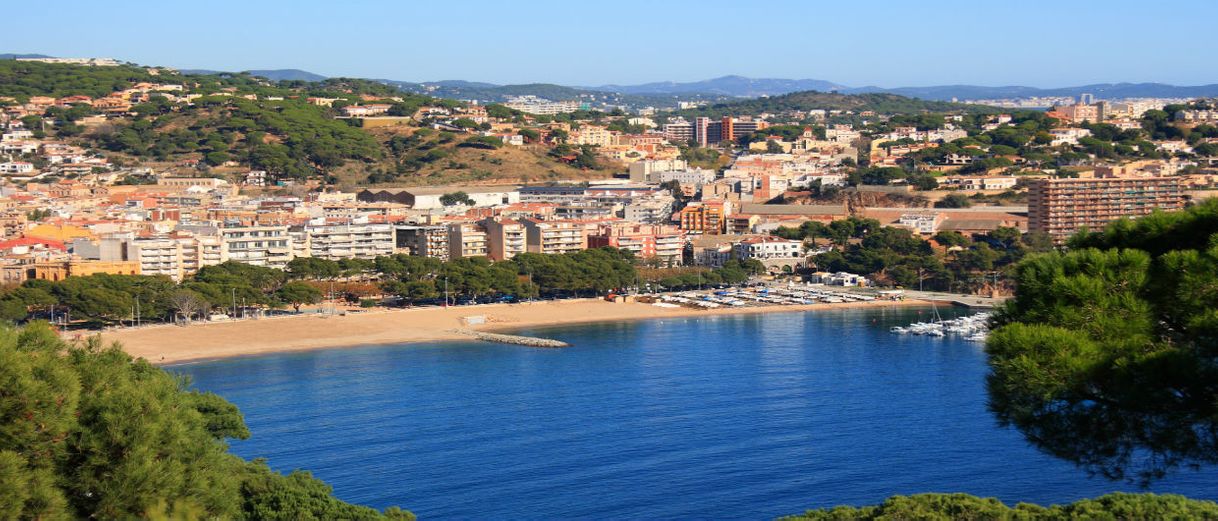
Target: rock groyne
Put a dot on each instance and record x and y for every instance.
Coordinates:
(512, 339)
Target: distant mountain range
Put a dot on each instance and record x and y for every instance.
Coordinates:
(1100, 90)
(727, 87)
(719, 89)
(270, 74)
(736, 86)
(14, 56)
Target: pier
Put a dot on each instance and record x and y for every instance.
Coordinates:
(513, 339)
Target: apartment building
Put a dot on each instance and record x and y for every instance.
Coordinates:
(269, 246)
(558, 194)
(542, 107)
(1062, 207)
(594, 136)
(665, 244)
(1078, 113)
(708, 132)
(707, 217)
(1196, 116)
(649, 211)
(176, 257)
(157, 257)
(350, 241)
(423, 241)
(645, 171)
(505, 238)
(200, 251)
(542, 236)
(693, 177)
(466, 240)
(679, 131)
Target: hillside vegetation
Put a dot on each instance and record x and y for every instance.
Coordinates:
(24, 79)
(278, 132)
(423, 156)
(288, 138)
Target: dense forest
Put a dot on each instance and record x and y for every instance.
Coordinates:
(24, 79)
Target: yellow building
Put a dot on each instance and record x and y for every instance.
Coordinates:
(59, 232)
(59, 270)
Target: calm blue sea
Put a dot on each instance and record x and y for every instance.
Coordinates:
(744, 417)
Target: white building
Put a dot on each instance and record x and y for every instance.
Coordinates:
(541, 107)
(1068, 136)
(350, 240)
(695, 177)
(16, 167)
(769, 248)
(926, 223)
(269, 246)
(650, 211)
(645, 171)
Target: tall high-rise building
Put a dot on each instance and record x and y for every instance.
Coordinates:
(1062, 207)
(702, 132)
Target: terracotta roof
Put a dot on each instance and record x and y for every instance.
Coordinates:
(32, 241)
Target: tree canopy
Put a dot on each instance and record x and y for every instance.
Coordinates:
(86, 432)
(947, 507)
(1106, 355)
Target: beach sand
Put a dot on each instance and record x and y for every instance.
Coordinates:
(167, 344)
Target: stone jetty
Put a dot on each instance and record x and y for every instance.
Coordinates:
(512, 339)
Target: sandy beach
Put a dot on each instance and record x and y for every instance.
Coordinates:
(167, 344)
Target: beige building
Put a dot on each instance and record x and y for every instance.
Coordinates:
(554, 236)
(505, 238)
(466, 240)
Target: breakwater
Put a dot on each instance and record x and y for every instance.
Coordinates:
(512, 339)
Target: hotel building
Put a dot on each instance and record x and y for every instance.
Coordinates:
(1062, 207)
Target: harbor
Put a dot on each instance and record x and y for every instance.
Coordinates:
(973, 328)
(764, 296)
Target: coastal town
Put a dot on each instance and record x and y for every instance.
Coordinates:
(392, 261)
(912, 199)
(690, 192)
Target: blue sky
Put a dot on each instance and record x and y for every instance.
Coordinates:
(879, 42)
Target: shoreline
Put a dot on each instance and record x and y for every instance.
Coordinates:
(171, 344)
